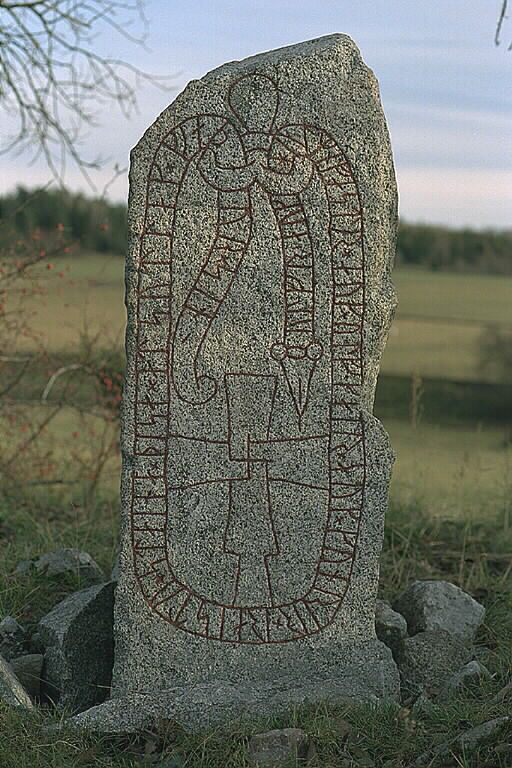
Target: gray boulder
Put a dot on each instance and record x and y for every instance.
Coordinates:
(12, 638)
(77, 636)
(28, 669)
(431, 605)
(467, 678)
(12, 692)
(390, 626)
(275, 748)
(67, 560)
(428, 659)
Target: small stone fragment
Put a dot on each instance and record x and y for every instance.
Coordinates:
(67, 560)
(12, 638)
(28, 670)
(428, 659)
(390, 626)
(467, 741)
(171, 762)
(470, 676)
(77, 635)
(423, 705)
(504, 692)
(11, 690)
(472, 738)
(430, 605)
(274, 748)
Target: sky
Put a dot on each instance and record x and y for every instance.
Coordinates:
(445, 88)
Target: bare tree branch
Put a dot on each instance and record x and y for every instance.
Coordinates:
(500, 22)
(53, 80)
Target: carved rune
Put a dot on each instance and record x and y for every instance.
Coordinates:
(239, 470)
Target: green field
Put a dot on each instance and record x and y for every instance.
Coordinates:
(436, 332)
(440, 320)
(456, 473)
(459, 466)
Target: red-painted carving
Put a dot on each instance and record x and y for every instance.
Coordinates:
(233, 155)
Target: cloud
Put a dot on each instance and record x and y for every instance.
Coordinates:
(458, 197)
(450, 137)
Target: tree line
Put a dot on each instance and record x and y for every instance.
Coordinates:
(98, 225)
(93, 224)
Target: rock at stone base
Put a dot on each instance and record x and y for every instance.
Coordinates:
(210, 704)
(423, 706)
(273, 748)
(171, 762)
(390, 626)
(67, 560)
(428, 659)
(12, 638)
(469, 740)
(11, 690)
(430, 605)
(472, 738)
(77, 635)
(28, 670)
(470, 676)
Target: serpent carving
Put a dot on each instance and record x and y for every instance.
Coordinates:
(233, 155)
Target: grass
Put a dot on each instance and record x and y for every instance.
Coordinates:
(433, 349)
(449, 518)
(442, 339)
(84, 291)
(456, 471)
(483, 299)
(385, 736)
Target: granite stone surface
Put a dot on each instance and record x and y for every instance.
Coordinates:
(429, 659)
(435, 604)
(262, 226)
(77, 637)
(28, 669)
(12, 692)
(390, 626)
(204, 705)
(12, 638)
(277, 748)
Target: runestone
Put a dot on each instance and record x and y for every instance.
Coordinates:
(262, 220)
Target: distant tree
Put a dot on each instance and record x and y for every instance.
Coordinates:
(496, 353)
(52, 77)
(91, 224)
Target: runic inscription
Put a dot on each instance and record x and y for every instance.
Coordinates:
(311, 367)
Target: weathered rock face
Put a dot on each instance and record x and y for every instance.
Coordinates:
(12, 692)
(275, 748)
(12, 638)
(429, 659)
(469, 677)
(77, 636)
(262, 220)
(434, 604)
(28, 669)
(390, 626)
(62, 561)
